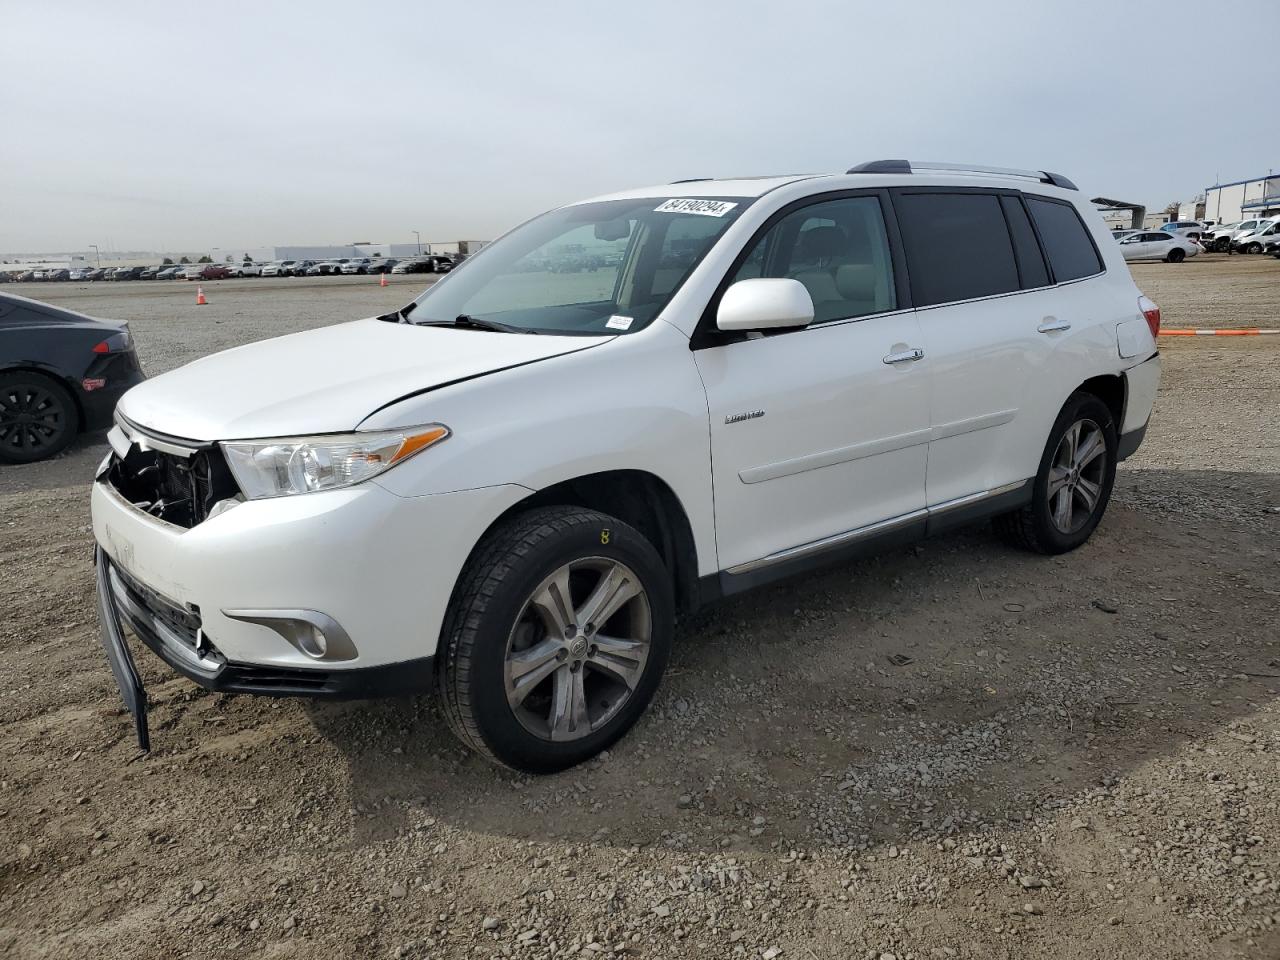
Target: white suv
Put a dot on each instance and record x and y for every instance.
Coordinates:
(625, 408)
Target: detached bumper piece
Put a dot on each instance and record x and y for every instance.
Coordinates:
(174, 634)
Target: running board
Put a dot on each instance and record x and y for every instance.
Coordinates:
(872, 538)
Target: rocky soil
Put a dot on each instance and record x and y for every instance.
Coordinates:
(952, 750)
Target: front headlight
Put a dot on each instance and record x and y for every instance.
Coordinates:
(283, 466)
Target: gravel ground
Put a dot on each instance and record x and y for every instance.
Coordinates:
(952, 750)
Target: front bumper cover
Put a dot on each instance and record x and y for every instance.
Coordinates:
(170, 633)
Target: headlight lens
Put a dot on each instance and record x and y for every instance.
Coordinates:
(283, 466)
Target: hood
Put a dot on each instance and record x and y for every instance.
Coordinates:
(326, 380)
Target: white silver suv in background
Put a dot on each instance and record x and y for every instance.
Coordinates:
(1256, 240)
(624, 408)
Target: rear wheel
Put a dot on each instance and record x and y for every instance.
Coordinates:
(556, 638)
(37, 417)
(1176, 255)
(1073, 486)
(1254, 247)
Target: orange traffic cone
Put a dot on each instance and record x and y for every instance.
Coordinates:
(200, 300)
(384, 280)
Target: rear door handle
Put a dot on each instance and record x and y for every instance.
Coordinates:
(1052, 325)
(905, 356)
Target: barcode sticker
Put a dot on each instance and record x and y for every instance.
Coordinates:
(704, 208)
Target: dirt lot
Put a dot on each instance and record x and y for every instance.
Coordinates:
(954, 750)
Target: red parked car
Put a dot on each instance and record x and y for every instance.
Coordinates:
(215, 271)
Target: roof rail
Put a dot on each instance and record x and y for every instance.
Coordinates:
(691, 180)
(911, 166)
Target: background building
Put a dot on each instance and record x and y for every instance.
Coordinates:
(1243, 199)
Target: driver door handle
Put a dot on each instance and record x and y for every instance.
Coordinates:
(1053, 325)
(906, 356)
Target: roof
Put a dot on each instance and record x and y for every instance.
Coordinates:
(1236, 183)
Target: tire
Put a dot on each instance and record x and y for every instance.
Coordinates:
(1221, 244)
(1176, 255)
(1037, 526)
(492, 619)
(38, 418)
(1253, 248)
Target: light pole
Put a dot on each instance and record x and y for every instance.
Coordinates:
(419, 236)
(96, 256)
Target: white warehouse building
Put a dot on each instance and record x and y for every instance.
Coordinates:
(1243, 199)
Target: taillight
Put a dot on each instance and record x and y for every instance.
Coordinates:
(1151, 313)
(116, 343)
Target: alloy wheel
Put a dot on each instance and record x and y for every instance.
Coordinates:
(578, 649)
(1077, 475)
(31, 418)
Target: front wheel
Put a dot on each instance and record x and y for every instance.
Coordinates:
(556, 638)
(1176, 256)
(1073, 485)
(1253, 248)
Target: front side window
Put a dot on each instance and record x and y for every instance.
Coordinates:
(839, 251)
(590, 269)
(957, 245)
(1071, 253)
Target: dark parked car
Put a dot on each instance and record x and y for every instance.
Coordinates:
(61, 373)
(215, 271)
(97, 273)
(326, 268)
(380, 265)
(58, 273)
(149, 273)
(26, 276)
(414, 265)
(126, 273)
(301, 267)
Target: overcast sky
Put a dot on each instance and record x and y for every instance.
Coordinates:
(144, 126)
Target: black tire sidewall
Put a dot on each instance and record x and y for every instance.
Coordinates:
(70, 416)
(1079, 406)
(502, 732)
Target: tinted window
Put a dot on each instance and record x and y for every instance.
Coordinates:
(1066, 241)
(837, 249)
(957, 246)
(1031, 266)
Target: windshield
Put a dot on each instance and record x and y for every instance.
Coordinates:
(591, 269)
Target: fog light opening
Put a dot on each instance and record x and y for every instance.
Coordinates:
(312, 642)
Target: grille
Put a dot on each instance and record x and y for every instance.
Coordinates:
(178, 490)
(185, 624)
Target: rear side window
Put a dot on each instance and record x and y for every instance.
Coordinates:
(1066, 241)
(957, 246)
(1031, 266)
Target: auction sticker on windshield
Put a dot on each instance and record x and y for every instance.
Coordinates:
(705, 208)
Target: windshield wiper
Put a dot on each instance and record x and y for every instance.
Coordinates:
(476, 323)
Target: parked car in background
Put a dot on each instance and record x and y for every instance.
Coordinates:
(326, 268)
(1191, 229)
(97, 273)
(278, 268)
(1157, 245)
(381, 265)
(126, 273)
(1225, 238)
(370, 518)
(61, 373)
(357, 265)
(1255, 240)
(57, 273)
(150, 273)
(80, 273)
(25, 276)
(215, 271)
(171, 272)
(192, 271)
(414, 265)
(300, 268)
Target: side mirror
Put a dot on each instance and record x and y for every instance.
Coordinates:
(766, 303)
